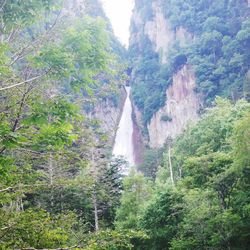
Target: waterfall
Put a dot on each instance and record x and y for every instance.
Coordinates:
(124, 136)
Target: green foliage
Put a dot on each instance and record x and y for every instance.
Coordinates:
(24, 13)
(53, 162)
(51, 123)
(114, 240)
(137, 191)
(4, 60)
(52, 62)
(208, 208)
(80, 55)
(151, 81)
(35, 228)
(178, 62)
(212, 180)
(218, 54)
(152, 159)
(241, 141)
(166, 118)
(146, 11)
(161, 219)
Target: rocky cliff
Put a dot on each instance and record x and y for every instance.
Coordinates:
(182, 103)
(108, 114)
(157, 28)
(161, 34)
(182, 52)
(106, 106)
(74, 7)
(181, 107)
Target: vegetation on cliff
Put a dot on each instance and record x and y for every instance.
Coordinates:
(218, 51)
(201, 200)
(59, 186)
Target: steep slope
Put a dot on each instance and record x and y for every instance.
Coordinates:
(60, 102)
(109, 94)
(184, 53)
(181, 107)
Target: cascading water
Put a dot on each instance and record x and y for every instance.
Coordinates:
(124, 136)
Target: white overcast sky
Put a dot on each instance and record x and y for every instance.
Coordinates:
(119, 12)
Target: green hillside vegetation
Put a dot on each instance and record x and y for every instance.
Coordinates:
(53, 66)
(219, 53)
(207, 204)
(59, 186)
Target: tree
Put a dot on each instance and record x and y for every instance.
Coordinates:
(211, 180)
(161, 218)
(137, 191)
(50, 64)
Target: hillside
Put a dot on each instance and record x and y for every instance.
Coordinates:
(184, 55)
(108, 148)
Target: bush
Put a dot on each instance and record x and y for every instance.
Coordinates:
(166, 118)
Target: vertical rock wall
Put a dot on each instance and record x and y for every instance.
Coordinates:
(159, 32)
(182, 103)
(181, 107)
(108, 115)
(104, 110)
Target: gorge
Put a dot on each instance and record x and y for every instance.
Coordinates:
(174, 103)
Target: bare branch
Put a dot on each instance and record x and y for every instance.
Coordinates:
(2, 5)
(6, 189)
(12, 34)
(35, 43)
(24, 82)
(24, 186)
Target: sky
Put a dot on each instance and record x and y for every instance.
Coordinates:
(119, 12)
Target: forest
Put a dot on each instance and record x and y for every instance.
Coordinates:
(61, 188)
(218, 51)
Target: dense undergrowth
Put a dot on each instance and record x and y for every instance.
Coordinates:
(218, 51)
(59, 188)
(201, 200)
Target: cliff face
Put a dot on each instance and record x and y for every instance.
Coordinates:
(158, 29)
(108, 114)
(74, 8)
(166, 36)
(182, 103)
(181, 107)
(105, 110)
(160, 33)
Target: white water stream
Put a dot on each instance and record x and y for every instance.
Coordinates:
(124, 136)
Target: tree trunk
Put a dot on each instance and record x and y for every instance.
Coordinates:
(51, 170)
(51, 178)
(95, 211)
(170, 166)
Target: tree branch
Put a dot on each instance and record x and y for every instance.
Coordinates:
(35, 43)
(21, 83)
(2, 5)
(23, 186)
(6, 189)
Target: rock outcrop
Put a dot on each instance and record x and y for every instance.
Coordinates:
(182, 103)
(108, 114)
(159, 31)
(74, 7)
(181, 107)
